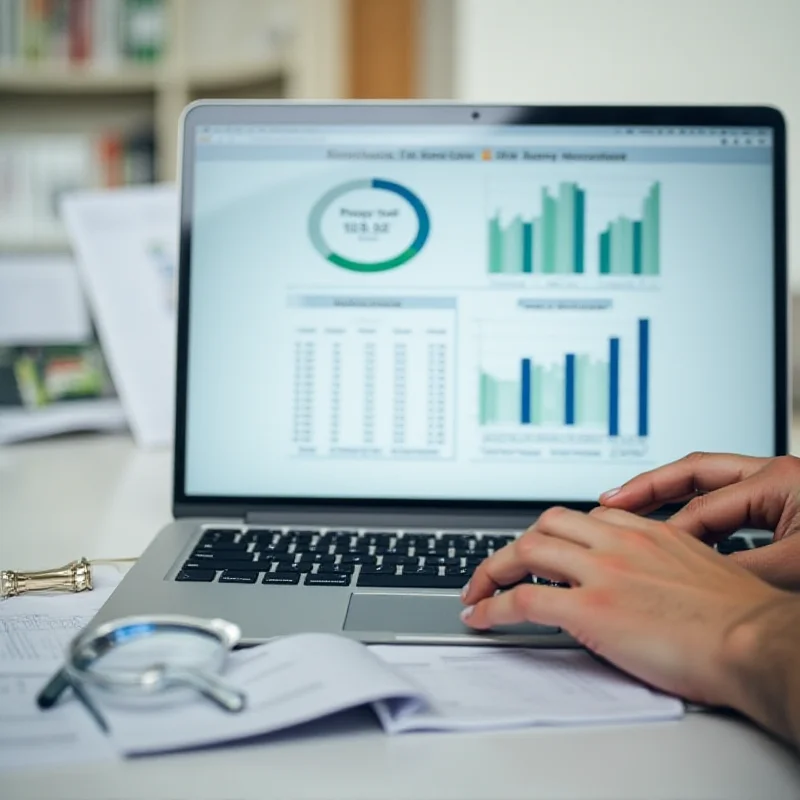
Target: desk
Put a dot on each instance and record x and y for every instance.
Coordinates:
(100, 497)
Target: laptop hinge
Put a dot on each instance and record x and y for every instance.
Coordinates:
(394, 518)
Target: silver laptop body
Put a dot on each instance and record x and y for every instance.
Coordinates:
(406, 329)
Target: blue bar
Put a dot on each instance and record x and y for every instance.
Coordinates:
(569, 390)
(644, 347)
(525, 404)
(527, 247)
(613, 387)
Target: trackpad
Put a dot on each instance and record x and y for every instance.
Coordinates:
(419, 613)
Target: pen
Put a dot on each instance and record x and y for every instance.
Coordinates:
(89, 705)
(55, 687)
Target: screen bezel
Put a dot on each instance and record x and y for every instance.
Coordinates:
(411, 114)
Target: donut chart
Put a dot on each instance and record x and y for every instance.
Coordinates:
(369, 214)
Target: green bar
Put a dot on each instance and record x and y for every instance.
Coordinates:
(581, 362)
(507, 407)
(537, 379)
(605, 251)
(565, 229)
(512, 247)
(580, 228)
(637, 248)
(651, 231)
(527, 247)
(622, 247)
(482, 392)
(549, 233)
(553, 395)
(491, 406)
(495, 246)
(601, 383)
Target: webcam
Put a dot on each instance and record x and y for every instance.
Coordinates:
(476, 115)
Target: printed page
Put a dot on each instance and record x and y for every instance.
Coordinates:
(474, 688)
(35, 629)
(288, 682)
(65, 734)
(126, 244)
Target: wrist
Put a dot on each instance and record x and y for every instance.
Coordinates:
(760, 655)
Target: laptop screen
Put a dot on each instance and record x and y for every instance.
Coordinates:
(521, 312)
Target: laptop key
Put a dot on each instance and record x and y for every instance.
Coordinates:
(241, 566)
(199, 575)
(358, 558)
(732, 544)
(335, 569)
(442, 561)
(223, 555)
(317, 558)
(465, 572)
(405, 560)
(315, 579)
(299, 567)
(411, 570)
(373, 569)
(413, 581)
(223, 545)
(237, 576)
(282, 577)
(277, 558)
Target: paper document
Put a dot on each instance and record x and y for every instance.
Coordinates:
(300, 678)
(41, 301)
(34, 632)
(19, 424)
(486, 687)
(36, 628)
(126, 246)
(65, 734)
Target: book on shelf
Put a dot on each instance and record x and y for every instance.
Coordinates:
(36, 170)
(82, 32)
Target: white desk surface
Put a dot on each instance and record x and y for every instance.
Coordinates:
(100, 497)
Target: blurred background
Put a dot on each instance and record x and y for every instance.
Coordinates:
(91, 92)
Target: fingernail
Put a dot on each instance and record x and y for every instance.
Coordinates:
(465, 591)
(467, 613)
(610, 493)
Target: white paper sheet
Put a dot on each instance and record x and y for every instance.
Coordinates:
(102, 414)
(34, 631)
(478, 688)
(41, 301)
(301, 678)
(36, 628)
(29, 737)
(126, 244)
(288, 682)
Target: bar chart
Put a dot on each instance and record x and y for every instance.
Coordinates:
(578, 390)
(550, 244)
(632, 246)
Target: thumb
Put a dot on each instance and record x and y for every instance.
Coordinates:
(777, 563)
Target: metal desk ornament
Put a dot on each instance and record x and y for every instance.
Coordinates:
(73, 577)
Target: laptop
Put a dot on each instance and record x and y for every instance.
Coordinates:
(404, 330)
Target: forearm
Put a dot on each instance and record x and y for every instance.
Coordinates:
(764, 657)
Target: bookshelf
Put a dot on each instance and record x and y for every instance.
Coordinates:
(92, 92)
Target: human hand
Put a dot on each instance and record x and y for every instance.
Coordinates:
(740, 491)
(645, 595)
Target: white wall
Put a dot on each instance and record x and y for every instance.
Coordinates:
(635, 51)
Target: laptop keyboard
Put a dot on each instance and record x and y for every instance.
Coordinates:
(384, 559)
(419, 560)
